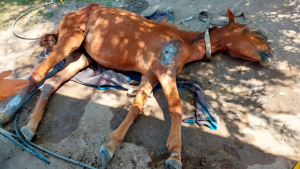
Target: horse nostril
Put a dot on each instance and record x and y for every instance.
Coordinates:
(264, 54)
(267, 57)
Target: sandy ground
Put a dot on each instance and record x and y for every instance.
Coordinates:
(259, 106)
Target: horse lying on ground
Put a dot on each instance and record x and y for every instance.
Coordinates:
(124, 41)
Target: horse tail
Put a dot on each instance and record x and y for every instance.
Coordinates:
(49, 40)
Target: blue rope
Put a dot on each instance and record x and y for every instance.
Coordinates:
(31, 150)
(26, 142)
(37, 154)
(24, 148)
(60, 156)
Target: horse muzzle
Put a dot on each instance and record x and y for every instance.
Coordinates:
(267, 57)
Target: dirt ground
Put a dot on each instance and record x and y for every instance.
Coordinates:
(258, 106)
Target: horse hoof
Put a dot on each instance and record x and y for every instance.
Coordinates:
(28, 134)
(173, 164)
(106, 155)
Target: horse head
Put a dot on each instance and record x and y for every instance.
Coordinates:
(241, 42)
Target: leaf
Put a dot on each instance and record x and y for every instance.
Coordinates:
(285, 4)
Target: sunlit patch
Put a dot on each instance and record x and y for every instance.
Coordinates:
(103, 24)
(141, 44)
(148, 24)
(125, 42)
(262, 126)
(115, 40)
(290, 40)
(122, 13)
(133, 17)
(291, 48)
(118, 20)
(142, 29)
(280, 65)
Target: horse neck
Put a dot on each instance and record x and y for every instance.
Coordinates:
(198, 48)
(189, 36)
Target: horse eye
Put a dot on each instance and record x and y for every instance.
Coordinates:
(247, 30)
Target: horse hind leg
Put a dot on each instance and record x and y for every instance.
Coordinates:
(67, 43)
(117, 136)
(74, 63)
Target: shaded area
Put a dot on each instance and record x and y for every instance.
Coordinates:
(202, 147)
(135, 6)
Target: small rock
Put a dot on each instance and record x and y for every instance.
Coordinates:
(202, 161)
(263, 105)
(281, 94)
(241, 144)
(271, 96)
(238, 115)
(250, 92)
(297, 81)
(292, 134)
(121, 164)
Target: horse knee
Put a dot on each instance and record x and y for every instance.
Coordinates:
(49, 87)
(135, 110)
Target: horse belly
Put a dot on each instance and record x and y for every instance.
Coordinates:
(119, 57)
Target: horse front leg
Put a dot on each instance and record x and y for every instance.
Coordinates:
(74, 63)
(67, 43)
(117, 136)
(167, 79)
(175, 108)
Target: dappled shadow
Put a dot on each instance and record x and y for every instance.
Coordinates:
(233, 87)
(227, 147)
(151, 130)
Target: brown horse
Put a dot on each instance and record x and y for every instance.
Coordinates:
(124, 41)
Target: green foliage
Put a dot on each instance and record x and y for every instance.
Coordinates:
(25, 2)
(101, 2)
(45, 14)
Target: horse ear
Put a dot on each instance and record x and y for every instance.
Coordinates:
(230, 16)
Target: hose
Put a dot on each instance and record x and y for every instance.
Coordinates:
(44, 159)
(26, 142)
(13, 27)
(31, 150)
